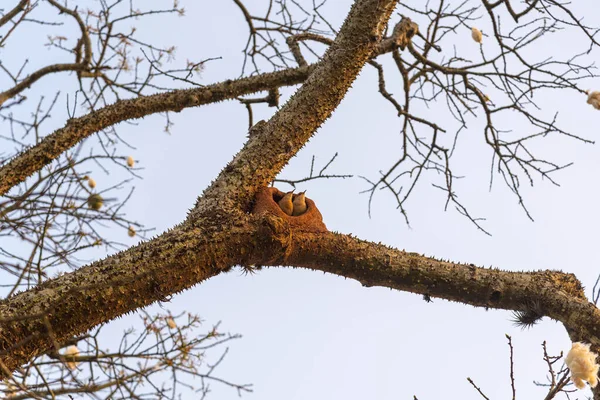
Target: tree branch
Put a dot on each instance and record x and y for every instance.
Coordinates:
(216, 234)
(11, 14)
(50, 69)
(77, 129)
(560, 295)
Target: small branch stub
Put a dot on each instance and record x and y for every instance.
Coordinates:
(310, 221)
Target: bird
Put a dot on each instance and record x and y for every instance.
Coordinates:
(286, 203)
(299, 204)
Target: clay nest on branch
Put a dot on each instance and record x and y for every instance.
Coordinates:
(310, 221)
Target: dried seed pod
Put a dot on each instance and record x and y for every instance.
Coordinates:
(95, 201)
(130, 162)
(91, 183)
(131, 231)
(476, 35)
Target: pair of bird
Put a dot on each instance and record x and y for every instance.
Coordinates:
(293, 204)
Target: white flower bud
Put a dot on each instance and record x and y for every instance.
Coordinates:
(476, 35)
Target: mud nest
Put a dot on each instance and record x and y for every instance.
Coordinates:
(310, 221)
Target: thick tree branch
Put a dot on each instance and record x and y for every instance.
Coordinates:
(77, 129)
(558, 295)
(182, 257)
(278, 140)
(31, 321)
(216, 235)
(11, 14)
(37, 75)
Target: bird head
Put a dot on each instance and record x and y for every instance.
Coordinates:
(288, 195)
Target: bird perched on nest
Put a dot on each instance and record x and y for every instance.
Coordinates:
(299, 204)
(286, 204)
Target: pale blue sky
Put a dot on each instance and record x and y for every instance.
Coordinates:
(309, 335)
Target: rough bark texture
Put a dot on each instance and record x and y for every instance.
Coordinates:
(221, 232)
(77, 129)
(70, 305)
(218, 232)
(559, 295)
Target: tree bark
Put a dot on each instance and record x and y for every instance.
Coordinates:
(78, 129)
(218, 232)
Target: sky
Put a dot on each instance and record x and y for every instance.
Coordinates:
(310, 335)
